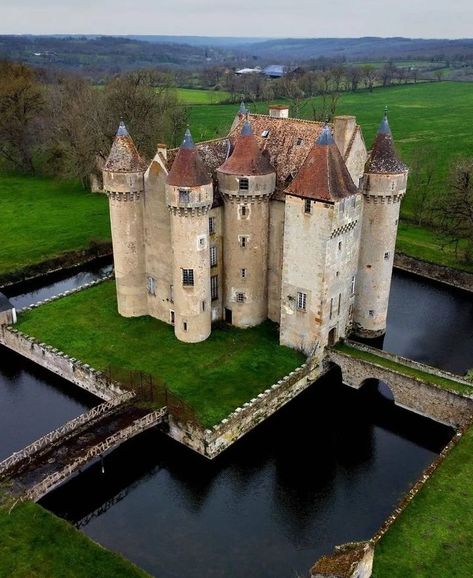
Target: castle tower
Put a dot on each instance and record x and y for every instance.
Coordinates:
(321, 243)
(189, 196)
(124, 184)
(385, 182)
(246, 181)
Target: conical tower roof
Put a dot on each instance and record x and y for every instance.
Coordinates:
(247, 158)
(124, 157)
(383, 157)
(188, 169)
(323, 176)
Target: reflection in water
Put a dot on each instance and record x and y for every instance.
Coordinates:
(431, 323)
(326, 470)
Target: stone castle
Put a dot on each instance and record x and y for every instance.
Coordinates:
(285, 219)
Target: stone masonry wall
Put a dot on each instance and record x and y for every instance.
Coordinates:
(450, 408)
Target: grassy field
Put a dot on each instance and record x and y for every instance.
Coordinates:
(433, 538)
(214, 376)
(198, 96)
(41, 219)
(36, 544)
(442, 382)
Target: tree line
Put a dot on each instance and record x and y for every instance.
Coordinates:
(54, 123)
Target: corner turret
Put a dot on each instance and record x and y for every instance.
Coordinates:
(123, 181)
(189, 197)
(384, 186)
(246, 182)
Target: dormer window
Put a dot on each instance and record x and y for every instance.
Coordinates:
(299, 141)
(243, 184)
(265, 133)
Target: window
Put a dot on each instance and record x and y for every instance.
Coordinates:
(184, 325)
(212, 225)
(353, 201)
(371, 313)
(265, 133)
(243, 273)
(339, 303)
(299, 141)
(184, 197)
(203, 305)
(214, 287)
(172, 316)
(307, 206)
(386, 256)
(171, 293)
(337, 274)
(339, 245)
(151, 285)
(244, 185)
(243, 211)
(240, 297)
(331, 308)
(188, 277)
(353, 281)
(243, 241)
(213, 256)
(301, 300)
(201, 242)
(341, 206)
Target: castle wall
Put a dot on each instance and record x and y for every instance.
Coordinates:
(190, 244)
(157, 230)
(126, 191)
(382, 200)
(320, 261)
(275, 259)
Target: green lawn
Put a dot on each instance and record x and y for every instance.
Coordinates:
(42, 218)
(199, 96)
(214, 376)
(404, 369)
(424, 244)
(433, 538)
(36, 544)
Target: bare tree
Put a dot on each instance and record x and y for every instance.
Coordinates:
(22, 105)
(369, 76)
(423, 174)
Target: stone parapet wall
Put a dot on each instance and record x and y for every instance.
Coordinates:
(432, 401)
(441, 273)
(80, 374)
(211, 442)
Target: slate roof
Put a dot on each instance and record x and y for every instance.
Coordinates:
(188, 168)
(383, 157)
(323, 175)
(5, 304)
(123, 157)
(247, 158)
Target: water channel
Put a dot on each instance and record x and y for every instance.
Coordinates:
(326, 470)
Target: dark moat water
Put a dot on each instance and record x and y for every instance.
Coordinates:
(327, 469)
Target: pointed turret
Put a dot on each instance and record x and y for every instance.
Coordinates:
(324, 175)
(247, 158)
(188, 169)
(383, 157)
(124, 157)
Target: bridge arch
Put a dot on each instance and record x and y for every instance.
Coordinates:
(378, 389)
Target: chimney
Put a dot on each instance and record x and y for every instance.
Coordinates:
(278, 111)
(162, 149)
(343, 128)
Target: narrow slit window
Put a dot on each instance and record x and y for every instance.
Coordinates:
(242, 273)
(339, 303)
(184, 325)
(213, 256)
(331, 308)
(307, 206)
(214, 287)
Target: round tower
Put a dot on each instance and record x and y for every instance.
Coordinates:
(189, 196)
(384, 185)
(246, 181)
(123, 181)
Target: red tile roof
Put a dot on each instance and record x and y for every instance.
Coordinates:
(188, 168)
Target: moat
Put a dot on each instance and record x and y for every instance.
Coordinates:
(327, 469)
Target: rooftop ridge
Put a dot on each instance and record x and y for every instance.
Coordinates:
(303, 120)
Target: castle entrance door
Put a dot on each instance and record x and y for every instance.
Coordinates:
(228, 315)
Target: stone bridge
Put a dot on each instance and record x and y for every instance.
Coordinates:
(48, 462)
(439, 395)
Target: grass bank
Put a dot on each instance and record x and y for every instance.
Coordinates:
(42, 219)
(442, 382)
(214, 376)
(36, 544)
(200, 96)
(433, 537)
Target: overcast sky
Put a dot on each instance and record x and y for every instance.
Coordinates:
(281, 18)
